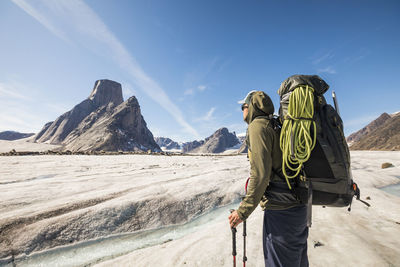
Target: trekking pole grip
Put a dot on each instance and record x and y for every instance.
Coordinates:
(233, 229)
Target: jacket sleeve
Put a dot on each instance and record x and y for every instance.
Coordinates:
(260, 156)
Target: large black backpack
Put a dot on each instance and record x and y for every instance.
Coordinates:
(326, 177)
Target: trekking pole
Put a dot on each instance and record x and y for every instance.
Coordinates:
(244, 244)
(233, 242)
(244, 228)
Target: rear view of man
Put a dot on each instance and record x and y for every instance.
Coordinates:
(285, 229)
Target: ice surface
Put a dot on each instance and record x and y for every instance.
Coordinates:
(93, 251)
(72, 204)
(50, 201)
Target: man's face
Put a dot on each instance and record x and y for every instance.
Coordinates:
(245, 109)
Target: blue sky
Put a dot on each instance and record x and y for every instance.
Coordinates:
(189, 62)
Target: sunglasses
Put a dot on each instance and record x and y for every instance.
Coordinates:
(244, 106)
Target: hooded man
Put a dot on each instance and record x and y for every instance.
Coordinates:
(285, 229)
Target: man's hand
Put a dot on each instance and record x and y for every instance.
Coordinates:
(234, 219)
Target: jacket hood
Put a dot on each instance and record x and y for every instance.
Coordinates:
(260, 105)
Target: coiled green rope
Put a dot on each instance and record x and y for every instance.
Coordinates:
(296, 141)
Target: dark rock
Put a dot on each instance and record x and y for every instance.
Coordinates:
(318, 244)
(387, 165)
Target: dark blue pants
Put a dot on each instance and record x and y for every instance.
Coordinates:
(285, 236)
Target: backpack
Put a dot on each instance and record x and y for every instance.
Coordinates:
(323, 176)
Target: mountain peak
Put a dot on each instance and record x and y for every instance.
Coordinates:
(375, 124)
(106, 91)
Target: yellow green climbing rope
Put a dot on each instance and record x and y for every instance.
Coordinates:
(296, 140)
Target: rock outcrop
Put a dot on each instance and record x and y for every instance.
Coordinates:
(12, 135)
(218, 142)
(381, 134)
(105, 92)
(101, 122)
(190, 146)
(355, 137)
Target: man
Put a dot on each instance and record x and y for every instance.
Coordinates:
(285, 229)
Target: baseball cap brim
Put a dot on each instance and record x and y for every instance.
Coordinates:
(246, 100)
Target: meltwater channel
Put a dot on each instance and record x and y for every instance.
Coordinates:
(95, 251)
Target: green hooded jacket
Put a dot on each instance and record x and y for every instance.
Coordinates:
(264, 154)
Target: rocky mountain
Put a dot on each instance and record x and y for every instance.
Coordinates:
(11, 135)
(190, 146)
(101, 122)
(357, 136)
(167, 143)
(381, 134)
(216, 143)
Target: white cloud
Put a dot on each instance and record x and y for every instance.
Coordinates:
(328, 69)
(78, 17)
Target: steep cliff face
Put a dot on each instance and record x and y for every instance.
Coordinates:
(101, 122)
(103, 93)
(218, 142)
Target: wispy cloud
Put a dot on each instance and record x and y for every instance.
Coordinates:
(321, 58)
(15, 112)
(11, 90)
(128, 90)
(328, 69)
(42, 19)
(78, 18)
(208, 117)
(193, 91)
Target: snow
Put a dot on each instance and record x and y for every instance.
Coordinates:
(25, 145)
(241, 134)
(395, 114)
(70, 204)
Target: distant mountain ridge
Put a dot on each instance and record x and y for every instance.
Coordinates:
(218, 142)
(382, 133)
(167, 143)
(101, 122)
(12, 135)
